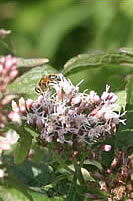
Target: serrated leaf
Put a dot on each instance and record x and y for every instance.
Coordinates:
(23, 146)
(99, 59)
(26, 83)
(25, 62)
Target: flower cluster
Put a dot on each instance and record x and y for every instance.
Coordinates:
(69, 116)
(8, 72)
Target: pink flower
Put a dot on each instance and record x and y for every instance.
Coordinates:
(68, 116)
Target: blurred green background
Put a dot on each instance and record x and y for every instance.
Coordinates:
(60, 30)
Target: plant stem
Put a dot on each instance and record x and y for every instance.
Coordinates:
(61, 162)
(78, 170)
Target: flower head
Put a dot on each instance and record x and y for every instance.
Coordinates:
(69, 116)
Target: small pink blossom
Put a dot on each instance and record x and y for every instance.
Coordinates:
(106, 147)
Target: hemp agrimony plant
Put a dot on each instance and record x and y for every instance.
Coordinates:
(75, 142)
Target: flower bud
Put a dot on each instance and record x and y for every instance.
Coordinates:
(29, 104)
(39, 124)
(15, 108)
(22, 104)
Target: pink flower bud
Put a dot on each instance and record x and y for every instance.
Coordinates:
(76, 100)
(32, 122)
(15, 108)
(22, 104)
(109, 171)
(13, 74)
(106, 147)
(39, 124)
(59, 94)
(8, 62)
(29, 103)
(4, 72)
(94, 98)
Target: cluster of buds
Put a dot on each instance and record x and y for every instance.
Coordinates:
(8, 72)
(69, 116)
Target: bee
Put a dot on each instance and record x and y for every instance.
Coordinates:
(44, 82)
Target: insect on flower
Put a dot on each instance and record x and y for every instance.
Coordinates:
(44, 82)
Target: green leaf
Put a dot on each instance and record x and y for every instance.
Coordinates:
(124, 137)
(12, 194)
(122, 95)
(13, 181)
(99, 68)
(23, 146)
(94, 163)
(130, 92)
(26, 83)
(82, 60)
(86, 175)
(35, 175)
(99, 59)
(34, 62)
(31, 175)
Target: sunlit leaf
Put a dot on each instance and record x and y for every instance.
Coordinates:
(99, 59)
(12, 194)
(34, 62)
(8, 194)
(86, 175)
(12, 182)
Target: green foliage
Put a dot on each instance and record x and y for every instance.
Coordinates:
(29, 63)
(23, 146)
(15, 195)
